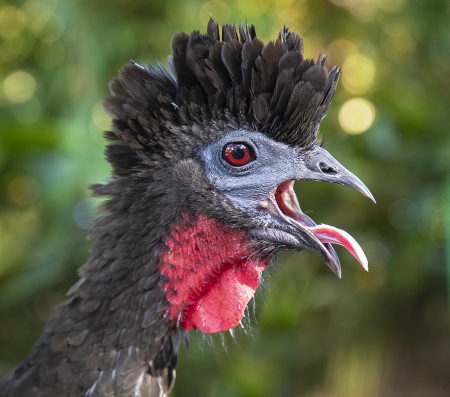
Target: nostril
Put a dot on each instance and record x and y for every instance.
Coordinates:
(327, 169)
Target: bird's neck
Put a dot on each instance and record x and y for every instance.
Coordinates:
(138, 291)
(213, 272)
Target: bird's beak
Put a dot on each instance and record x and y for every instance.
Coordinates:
(321, 166)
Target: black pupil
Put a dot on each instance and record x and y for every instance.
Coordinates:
(238, 153)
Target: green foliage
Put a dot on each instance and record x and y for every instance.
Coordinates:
(382, 333)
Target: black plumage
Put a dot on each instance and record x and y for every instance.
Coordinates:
(113, 337)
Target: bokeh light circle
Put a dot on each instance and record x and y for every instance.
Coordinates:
(19, 86)
(356, 115)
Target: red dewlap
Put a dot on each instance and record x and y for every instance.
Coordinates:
(211, 278)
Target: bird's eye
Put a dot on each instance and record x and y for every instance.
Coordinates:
(237, 154)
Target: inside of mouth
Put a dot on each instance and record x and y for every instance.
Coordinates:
(288, 204)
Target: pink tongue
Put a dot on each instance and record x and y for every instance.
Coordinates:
(331, 234)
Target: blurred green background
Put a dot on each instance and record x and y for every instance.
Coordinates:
(382, 333)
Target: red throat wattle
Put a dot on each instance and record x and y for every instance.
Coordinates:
(212, 274)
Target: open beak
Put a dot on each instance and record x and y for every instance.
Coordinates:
(320, 166)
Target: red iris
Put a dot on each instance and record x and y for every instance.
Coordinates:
(237, 154)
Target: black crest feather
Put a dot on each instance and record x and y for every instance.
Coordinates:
(265, 87)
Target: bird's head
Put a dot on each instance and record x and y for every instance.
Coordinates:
(205, 160)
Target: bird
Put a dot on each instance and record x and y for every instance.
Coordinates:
(201, 199)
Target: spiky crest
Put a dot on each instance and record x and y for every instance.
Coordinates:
(233, 78)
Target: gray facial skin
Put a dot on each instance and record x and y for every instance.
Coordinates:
(274, 163)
